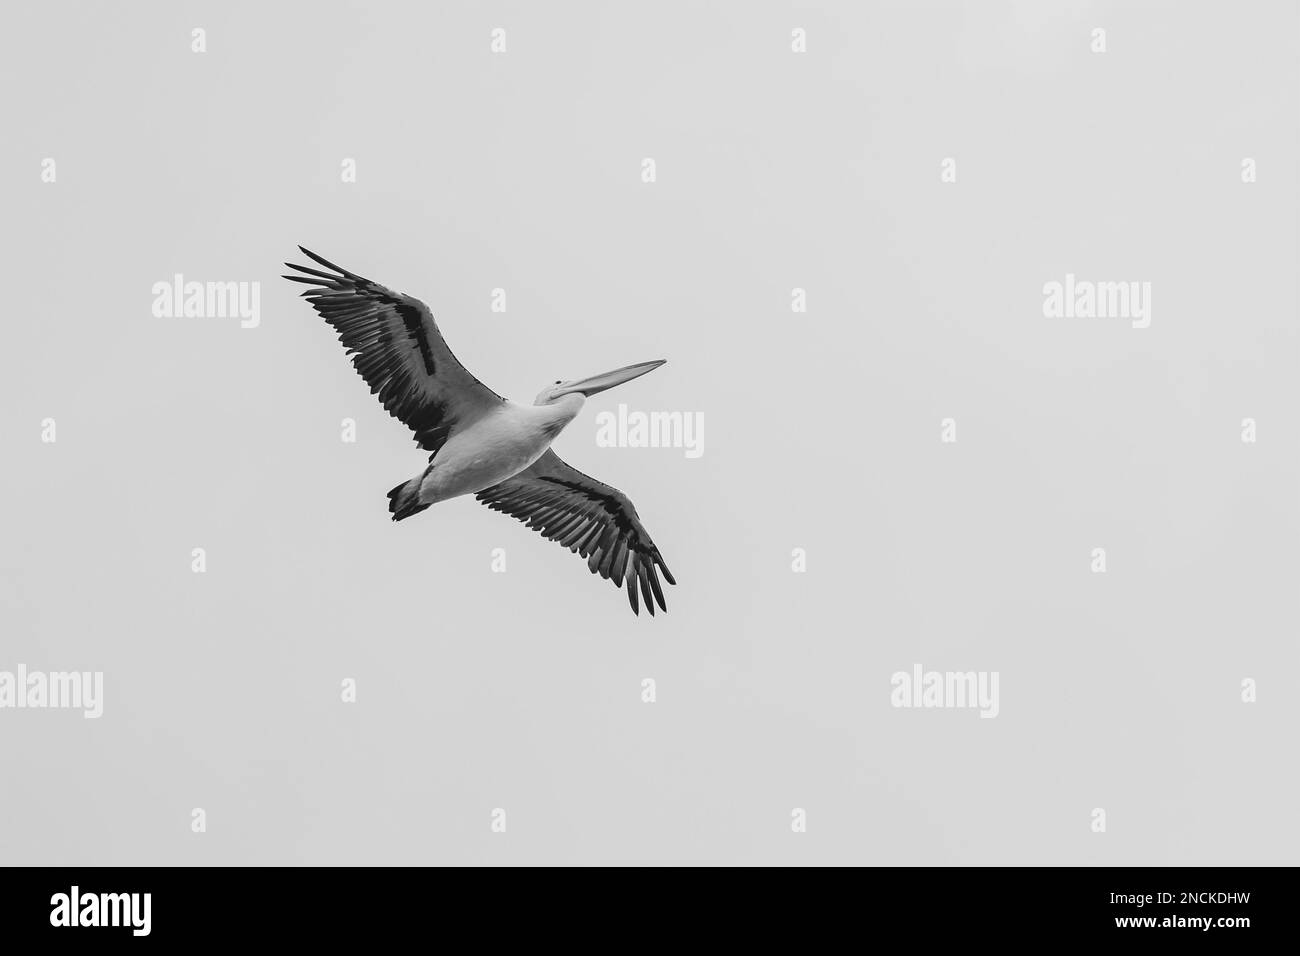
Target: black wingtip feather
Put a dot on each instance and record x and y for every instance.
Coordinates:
(645, 588)
(654, 585)
(312, 272)
(668, 575)
(326, 263)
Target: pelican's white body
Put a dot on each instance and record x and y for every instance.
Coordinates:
(496, 447)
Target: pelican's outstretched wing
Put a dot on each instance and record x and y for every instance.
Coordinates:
(396, 346)
(586, 516)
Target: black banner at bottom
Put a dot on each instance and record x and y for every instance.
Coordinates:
(1160, 906)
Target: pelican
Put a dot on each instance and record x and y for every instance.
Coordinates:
(480, 443)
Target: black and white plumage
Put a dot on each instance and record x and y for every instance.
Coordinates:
(589, 518)
(395, 344)
(480, 443)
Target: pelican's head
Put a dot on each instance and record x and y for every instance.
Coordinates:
(597, 383)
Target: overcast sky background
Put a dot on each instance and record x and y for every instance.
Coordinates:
(776, 170)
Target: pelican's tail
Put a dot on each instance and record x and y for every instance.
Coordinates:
(404, 500)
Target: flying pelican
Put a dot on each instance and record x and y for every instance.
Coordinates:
(478, 442)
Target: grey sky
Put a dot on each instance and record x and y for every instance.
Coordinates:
(775, 170)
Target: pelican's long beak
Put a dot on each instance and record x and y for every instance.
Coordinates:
(598, 383)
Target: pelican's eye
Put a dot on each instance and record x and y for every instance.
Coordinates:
(557, 381)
